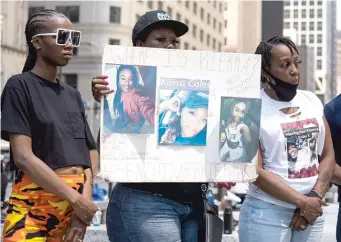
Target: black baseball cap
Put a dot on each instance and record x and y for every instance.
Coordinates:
(157, 18)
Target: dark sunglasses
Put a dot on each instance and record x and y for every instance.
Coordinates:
(64, 35)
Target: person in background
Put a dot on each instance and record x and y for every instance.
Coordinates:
(153, 212)
(285, 203)
(332, 111)
(50, 140)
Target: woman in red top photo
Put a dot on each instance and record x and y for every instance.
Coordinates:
(130, 106)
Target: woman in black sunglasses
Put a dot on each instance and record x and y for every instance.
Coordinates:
(53, 150)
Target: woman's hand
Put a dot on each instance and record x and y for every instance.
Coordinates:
(84, 209)
(298, 222)
(76, 230)
(227, 185)
(311, 209)
(100, 87)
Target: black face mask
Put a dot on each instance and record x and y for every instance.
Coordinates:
(284, 91)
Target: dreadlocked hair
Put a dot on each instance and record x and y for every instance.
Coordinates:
(264, 49)
(34, 25)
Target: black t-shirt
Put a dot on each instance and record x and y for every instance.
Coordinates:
(52, 114)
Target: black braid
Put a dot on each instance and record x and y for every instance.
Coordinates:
(34, 25)
(264, 49)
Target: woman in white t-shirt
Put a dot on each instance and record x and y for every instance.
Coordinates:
(296, 157)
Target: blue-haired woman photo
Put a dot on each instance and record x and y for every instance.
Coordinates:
(130, 106)
(188, 126)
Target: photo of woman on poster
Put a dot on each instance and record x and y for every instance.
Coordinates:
(132, 109)
(183, 118)
(237, 128)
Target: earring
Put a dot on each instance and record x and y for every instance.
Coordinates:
(38, 48)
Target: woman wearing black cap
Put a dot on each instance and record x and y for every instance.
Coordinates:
(151, 212)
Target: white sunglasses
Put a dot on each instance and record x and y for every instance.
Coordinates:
(64, 35)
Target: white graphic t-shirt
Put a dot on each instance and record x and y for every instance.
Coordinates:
(291, 143)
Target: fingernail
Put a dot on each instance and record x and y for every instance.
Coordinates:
(105, 77)
(106, 83)
(112, 91)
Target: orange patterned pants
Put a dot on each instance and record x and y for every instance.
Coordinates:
(35, 215)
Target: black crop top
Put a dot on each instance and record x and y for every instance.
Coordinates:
(52, 114)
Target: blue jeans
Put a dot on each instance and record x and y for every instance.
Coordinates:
(138, 216)
(338, 226)
(262, 221)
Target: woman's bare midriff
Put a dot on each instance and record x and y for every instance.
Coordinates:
(70, 170)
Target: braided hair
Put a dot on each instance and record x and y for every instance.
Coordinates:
(264, 49)
(34, 25)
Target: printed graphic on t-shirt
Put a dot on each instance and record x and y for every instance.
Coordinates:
(301, 147)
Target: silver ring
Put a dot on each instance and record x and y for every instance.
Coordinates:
(80, 240)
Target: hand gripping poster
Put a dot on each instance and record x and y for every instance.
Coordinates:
(179, 115)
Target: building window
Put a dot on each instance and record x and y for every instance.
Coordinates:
(160, 5)
(296, 25)
(214, 3)
(220, 7)
(195, 7)
(170, 11)
(286, 13)
(219, 46)
(225, 23)
(214, 23)
(304, 13)
(71, 79)
(201, 35)
(311, 26)
(208, 38)
(311, 39)
(202, 13)
(311, 2)
(186, 22)
(287, 25)
(295, 3)
(319, 13)
(286, 2)
(319, 3)
(208, 18)
(295, 13)
(187, 4)
(303, 39)
(114, 42)
(34, 10)
(225, 41)
(220, 29)
(319, 25)
(178, 16)
(304, 3)
(319, 51)
(303, 26)
(319, 38)
(115, 15)
(311, 13)
(72, 12)
(193, 48)
(150, 4)
(186, 46)
(214, 43)
(319, 64)
(194, 30)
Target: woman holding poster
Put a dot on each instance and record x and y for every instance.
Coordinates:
(296, 157)
(153, 212)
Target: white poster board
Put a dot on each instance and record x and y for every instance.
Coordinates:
(179, 115)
